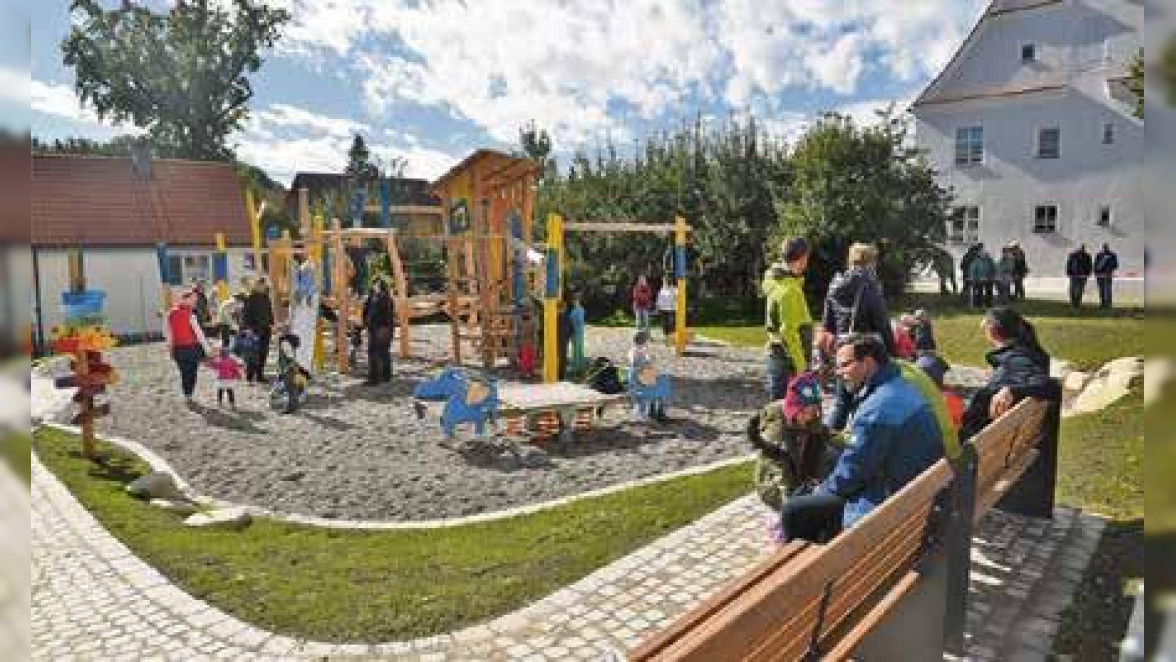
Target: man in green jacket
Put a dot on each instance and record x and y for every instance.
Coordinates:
(787, 319)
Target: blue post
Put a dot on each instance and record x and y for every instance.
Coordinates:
(385, 203)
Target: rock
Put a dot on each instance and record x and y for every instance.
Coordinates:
(183, 507)
(228, 518)
(1130, 365)
(533, 457)
(294, 477)
(1059, 369)
(156, 485)
(1075, 381)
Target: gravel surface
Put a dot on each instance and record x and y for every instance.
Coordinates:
(359, 452)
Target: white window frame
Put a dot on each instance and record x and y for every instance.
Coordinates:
(974, 152)
(1107, 212)
(1108, 133)
(1056, 220)
(194, 264)
(1033, 54)
(1037, 151)
(967, 224)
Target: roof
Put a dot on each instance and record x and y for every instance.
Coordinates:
(503, 168)
(405, 191)
(93, 200)
(995, 8)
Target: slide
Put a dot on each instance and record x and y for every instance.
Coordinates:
(304, 323)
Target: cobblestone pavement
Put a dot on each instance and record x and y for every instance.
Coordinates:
(93, 599)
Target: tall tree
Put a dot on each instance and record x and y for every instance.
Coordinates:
(182, 75)
(536, 145)
(359, 160)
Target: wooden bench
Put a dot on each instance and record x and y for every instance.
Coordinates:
(892, 587)
(541, 412)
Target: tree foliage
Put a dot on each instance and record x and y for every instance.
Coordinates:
(181, 75)
(742, 189)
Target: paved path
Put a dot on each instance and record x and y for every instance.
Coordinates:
(14, 566)
(93, 600)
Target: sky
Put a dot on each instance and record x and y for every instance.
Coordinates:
(430, 81)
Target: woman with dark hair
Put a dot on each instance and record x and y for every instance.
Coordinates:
(1020, 369)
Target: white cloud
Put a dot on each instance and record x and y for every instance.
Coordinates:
(284, 115)
(61, 101)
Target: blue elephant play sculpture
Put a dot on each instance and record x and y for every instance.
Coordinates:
(650, 393)
(468, 399)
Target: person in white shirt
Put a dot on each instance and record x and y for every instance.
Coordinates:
(667, 303)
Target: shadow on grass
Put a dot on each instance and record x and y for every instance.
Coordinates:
(1096, 621)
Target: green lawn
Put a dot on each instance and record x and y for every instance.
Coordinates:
(378, 586)
(1089, 338)
(1100, 460)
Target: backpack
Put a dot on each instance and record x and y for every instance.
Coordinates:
(604, 377)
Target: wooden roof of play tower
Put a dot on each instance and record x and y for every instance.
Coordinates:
(493, 178)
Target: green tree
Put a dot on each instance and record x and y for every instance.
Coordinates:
(181, 75)
(359, 160)
(863, 184)
(536, 145)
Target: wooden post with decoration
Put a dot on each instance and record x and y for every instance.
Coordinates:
(342, 295)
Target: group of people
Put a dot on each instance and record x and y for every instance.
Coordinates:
(891, 415)
(1080, 266)
(989, 280)
(645, 303)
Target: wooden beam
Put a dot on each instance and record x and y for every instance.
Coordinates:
(661, 228)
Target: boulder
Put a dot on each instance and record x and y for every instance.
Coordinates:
(1075, 381)
(226, 518)
(183, 507)
(1112, 382)
(1128, 365)
(1059, 369)
(156, 485)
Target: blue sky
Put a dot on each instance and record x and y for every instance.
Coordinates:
(431, 81)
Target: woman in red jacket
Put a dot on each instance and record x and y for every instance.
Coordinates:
(186, 340)
(642, 302)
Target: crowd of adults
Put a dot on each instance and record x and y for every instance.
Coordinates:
(888, 422)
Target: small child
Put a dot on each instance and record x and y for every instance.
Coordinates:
(247, 347)
(904, 342)
(650, 390)
(576, 319)
(228, 372)
(923, 333)
(936, 368)
(796, 449)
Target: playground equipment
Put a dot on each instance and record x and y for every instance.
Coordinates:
(553, 282)
(468, 399)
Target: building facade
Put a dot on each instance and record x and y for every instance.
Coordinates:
(1032, 128)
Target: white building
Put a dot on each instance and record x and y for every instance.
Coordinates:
(1032, 128)
(116, 214)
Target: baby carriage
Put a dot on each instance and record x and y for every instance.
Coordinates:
(289, 386)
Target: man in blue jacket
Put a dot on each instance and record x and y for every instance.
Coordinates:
(893, 437)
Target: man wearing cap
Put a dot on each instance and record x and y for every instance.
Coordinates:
(893, 437)
(788, 323)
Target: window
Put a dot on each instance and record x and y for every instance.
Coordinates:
(1045, 219)
(1049, 143)
(969, 145)
(1104, 217)
(964, 226)
(1028, 53)
(1108, 134)
(184, 268)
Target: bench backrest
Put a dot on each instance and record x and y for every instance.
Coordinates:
(1005, 449)
(830, 595)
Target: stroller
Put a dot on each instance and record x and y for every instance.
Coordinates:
(289, 387)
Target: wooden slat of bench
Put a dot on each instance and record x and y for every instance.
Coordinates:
(987, 499)
(870, 620)
(888, 559)
(1004, 440)
(770, 604)
(708, 607)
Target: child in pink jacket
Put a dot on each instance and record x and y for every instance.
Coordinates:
(228, 372)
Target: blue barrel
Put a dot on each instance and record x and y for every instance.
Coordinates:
(81, 305)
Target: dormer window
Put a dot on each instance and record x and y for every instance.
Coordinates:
(1028, 53)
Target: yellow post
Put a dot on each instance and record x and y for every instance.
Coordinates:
(680, 271)
(315, 254)
(254, 229)
(552, 287)
(222, 285)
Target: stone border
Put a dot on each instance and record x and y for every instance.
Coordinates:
(157, 463)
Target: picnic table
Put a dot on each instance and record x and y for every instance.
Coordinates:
(542, 411)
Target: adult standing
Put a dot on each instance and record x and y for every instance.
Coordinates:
(642, 299)
(1079, 266)
(893, 437)
(257, 315)
(1020, 369)
(854, 302)
(228, 317)
(380, 319)
(966, 272)
(1105, 265)
(787, 319)
(1020, 272)
(944, 267)
(667, 306)
(1006, 274)
(202, 308)
(185, 339)
(983, 273)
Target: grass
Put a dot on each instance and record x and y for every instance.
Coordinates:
(360, 586)
(1089, 338)
(14, 451)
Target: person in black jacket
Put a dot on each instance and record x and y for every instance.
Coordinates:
(854, 302)
(1079, 266)
(1105, 265)
(1020, 369)
(380, 320)
(966, 271)
(257, 315)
